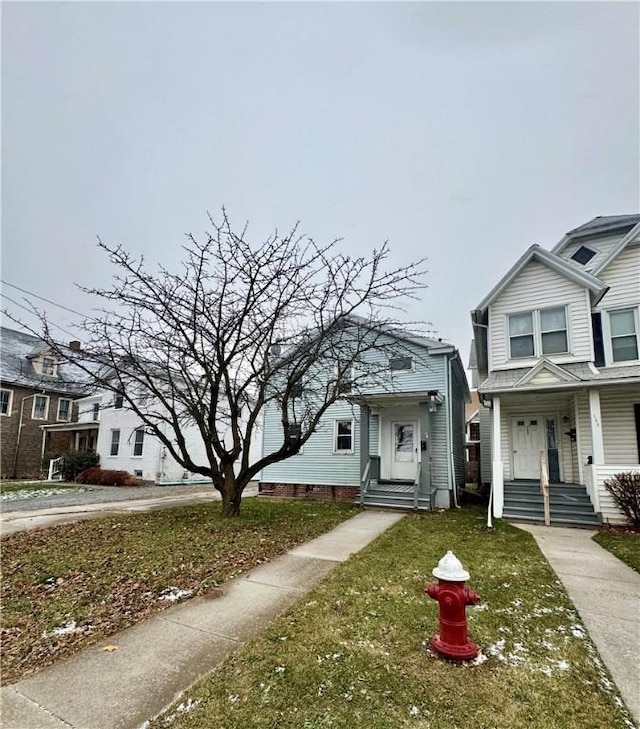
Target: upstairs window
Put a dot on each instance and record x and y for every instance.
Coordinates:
(40, 407)
(64, 409)
(583, 255)
(138, 442)
(344, 377)
(6, 400)
(539, 332)
(521, 335)
(48, 366)
(401, 364)
(115, 443)
(624, 339)
(118, 401)
(553, 330)
(96, 411)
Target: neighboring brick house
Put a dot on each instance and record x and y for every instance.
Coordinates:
(472, 438)
(36, 389)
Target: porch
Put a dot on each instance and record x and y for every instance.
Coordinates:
(398, 442)
(587, 434)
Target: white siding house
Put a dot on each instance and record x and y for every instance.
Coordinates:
(557, 345)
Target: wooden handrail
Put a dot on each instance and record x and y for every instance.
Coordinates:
(544, 486)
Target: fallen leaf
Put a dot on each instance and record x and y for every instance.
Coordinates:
(110, 648)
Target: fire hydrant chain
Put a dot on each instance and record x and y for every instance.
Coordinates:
(453, 597)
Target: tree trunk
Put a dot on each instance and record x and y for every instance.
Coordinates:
(231, 496)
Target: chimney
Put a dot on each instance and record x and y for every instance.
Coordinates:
(75, 345)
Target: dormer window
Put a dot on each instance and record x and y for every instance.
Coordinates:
(48, 366)
(583, 255)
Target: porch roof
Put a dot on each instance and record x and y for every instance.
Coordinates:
(57, 427)
(580, 374)
(391, 399)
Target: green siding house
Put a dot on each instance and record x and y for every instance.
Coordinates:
(396, 440)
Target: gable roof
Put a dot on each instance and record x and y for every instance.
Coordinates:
(597, 287)
(627, 226)
(16, 368)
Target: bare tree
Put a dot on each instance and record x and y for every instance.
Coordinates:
(237, 330)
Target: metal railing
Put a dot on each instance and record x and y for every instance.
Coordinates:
(416, 485)
(364, 482)
(544, 486)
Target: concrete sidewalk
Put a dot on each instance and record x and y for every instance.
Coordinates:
(606, 594)
(161, 657)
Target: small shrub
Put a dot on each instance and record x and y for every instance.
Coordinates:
(625, 489)
(74, 462)
(106, 477)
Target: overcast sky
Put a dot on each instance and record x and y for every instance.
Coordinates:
(463, 132)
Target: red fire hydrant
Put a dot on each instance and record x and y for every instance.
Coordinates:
(453, 597)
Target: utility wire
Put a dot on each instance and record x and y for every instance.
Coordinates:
(26, 308)
(24, 291)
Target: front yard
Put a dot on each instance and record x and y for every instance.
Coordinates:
(622, 543)
(71, 585)
(354, 653)
(12, 490)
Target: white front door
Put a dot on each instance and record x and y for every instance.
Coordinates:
(404, 450)
(528, 439)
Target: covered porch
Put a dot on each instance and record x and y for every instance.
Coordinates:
(63, 437)
(586, 434)
(397, 449)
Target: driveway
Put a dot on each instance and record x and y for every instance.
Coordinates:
(97, 501)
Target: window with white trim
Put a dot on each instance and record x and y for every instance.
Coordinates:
(40, 410)
(624, 335)
(343, 436)
(115, 442)
(48, 366)
(96, 411)
(138, 442)
(6, 401)
(538, 332)
(118, 401)
(64, 409)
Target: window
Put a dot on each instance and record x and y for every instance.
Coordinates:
(400, 364)
(48, 366)
(96, 410)
(624, 340)
(344, 381)
(521, 335)
(118, 401)
(553, 330)
(115, 443)
(583, 255)
(6, 400)
(538, 332)
(40, 409)
(138, 442)
(64, 409)
(295, 389)
(343, 440)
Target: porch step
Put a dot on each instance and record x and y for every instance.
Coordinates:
(569, 504)
(395, 501)
(388, 486)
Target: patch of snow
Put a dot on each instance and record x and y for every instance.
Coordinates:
(414, 711)
(578, 632)
(478, 660)
(171, 594)
(39, 493)
(67, 629)
(280, 669)
(184, 708)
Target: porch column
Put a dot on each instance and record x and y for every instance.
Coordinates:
(496, 466)
(425, 455)
(365, 412)
(596, 427)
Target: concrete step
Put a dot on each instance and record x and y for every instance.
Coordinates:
(557, 512)
(586, 523)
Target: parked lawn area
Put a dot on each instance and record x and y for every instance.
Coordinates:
(354, 652)
(625, 545)
(70, 585)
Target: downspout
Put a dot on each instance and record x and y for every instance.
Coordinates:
(449, 413)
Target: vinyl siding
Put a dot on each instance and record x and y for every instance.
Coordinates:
(317, 464)
(485, 444)
(618, 425)
(623, 277)
(601, 246)
(458, 425)
(538, 287)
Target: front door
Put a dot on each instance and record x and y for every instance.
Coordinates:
(528, 437)
(404, 453)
